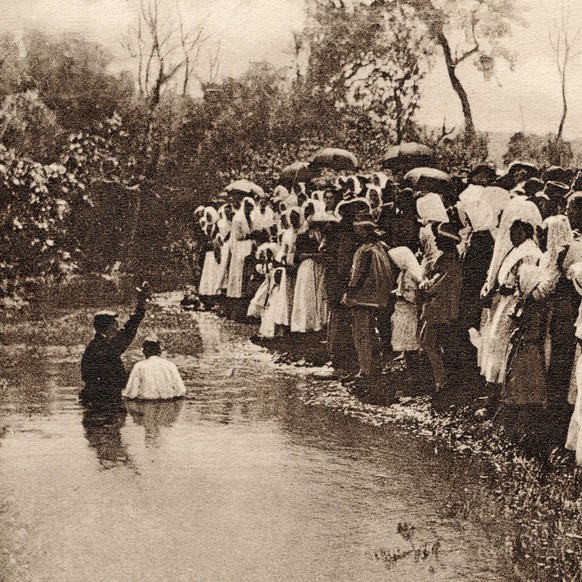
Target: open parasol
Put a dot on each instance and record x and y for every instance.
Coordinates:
(245, 188)
(298, 172)
(334, 158)
(427, 180)
(408, 155)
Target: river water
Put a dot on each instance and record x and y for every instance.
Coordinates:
(240, 481)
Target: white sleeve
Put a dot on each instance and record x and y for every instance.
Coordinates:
(133, 386)
(179, 386)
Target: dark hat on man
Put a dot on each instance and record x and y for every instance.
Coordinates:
(530, 170)
(447, 231)
(532, 186)
(102, 319)
(151, 341)
(486, 169)
(556, 190)
(558, 174)
(577, 185)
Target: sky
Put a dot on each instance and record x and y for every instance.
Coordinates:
(527, 98)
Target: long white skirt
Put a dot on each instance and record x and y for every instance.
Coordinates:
(241, 249)
(281, 300)
(405, 327)
(258, 303)
(574, 438)
(495, 339)
(309, 303)
(224, 265)
(268, 326)
(208, 280)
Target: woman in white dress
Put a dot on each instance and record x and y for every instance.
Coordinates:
(225, 214)
(242, 247)
(265, 264)
(309, 302)
(154, 378)
(497, 331)
(406, 313)
(574, 438)
(263, 217)
(210, 271)
(281, 299)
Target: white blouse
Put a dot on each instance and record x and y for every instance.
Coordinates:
(154, 379)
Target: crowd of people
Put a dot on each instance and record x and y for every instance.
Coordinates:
(481, 274)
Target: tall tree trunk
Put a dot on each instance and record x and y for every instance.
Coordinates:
(457, 86)
(564, 105)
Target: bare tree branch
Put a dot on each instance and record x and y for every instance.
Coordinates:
(563, 44)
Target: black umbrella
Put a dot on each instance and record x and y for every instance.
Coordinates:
(408, 155)
(334, 158)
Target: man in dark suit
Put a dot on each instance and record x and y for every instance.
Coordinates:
(102, 370)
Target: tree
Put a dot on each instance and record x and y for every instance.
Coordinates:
(13, 74)
(564, 39)
(72, 78)
(542, 151)
(465, 29)
(163, 47)
(386, 81)
(370, 59)
(524, 147)
(29, 127)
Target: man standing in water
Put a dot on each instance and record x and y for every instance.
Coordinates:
(101, 367)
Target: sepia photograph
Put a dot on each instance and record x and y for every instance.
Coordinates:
(290, 290)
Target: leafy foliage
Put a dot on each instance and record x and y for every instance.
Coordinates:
(372, 60)
(543, 151)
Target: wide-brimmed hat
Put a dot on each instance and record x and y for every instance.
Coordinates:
(487, 169)
(367, 222)
(532, 186)
(558, 174)
(446, 231)
(556, 190)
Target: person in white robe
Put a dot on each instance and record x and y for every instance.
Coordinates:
(225, 214)
(406, 314)
(263, 217)
(281, 300)
(496, 333)
(154, 378)
(574, 437)
(208, 286)
(242, 247)
(309, 302)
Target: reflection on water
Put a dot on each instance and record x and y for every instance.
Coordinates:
(102, 423)
(238, 481)
(154, 415)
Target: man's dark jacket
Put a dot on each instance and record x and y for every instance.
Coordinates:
(101, 367)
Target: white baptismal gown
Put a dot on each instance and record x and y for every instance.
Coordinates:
(154, 379)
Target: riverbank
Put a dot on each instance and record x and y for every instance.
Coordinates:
(539, 499)
(539, 494)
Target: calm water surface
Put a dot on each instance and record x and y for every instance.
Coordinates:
(239, 481)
